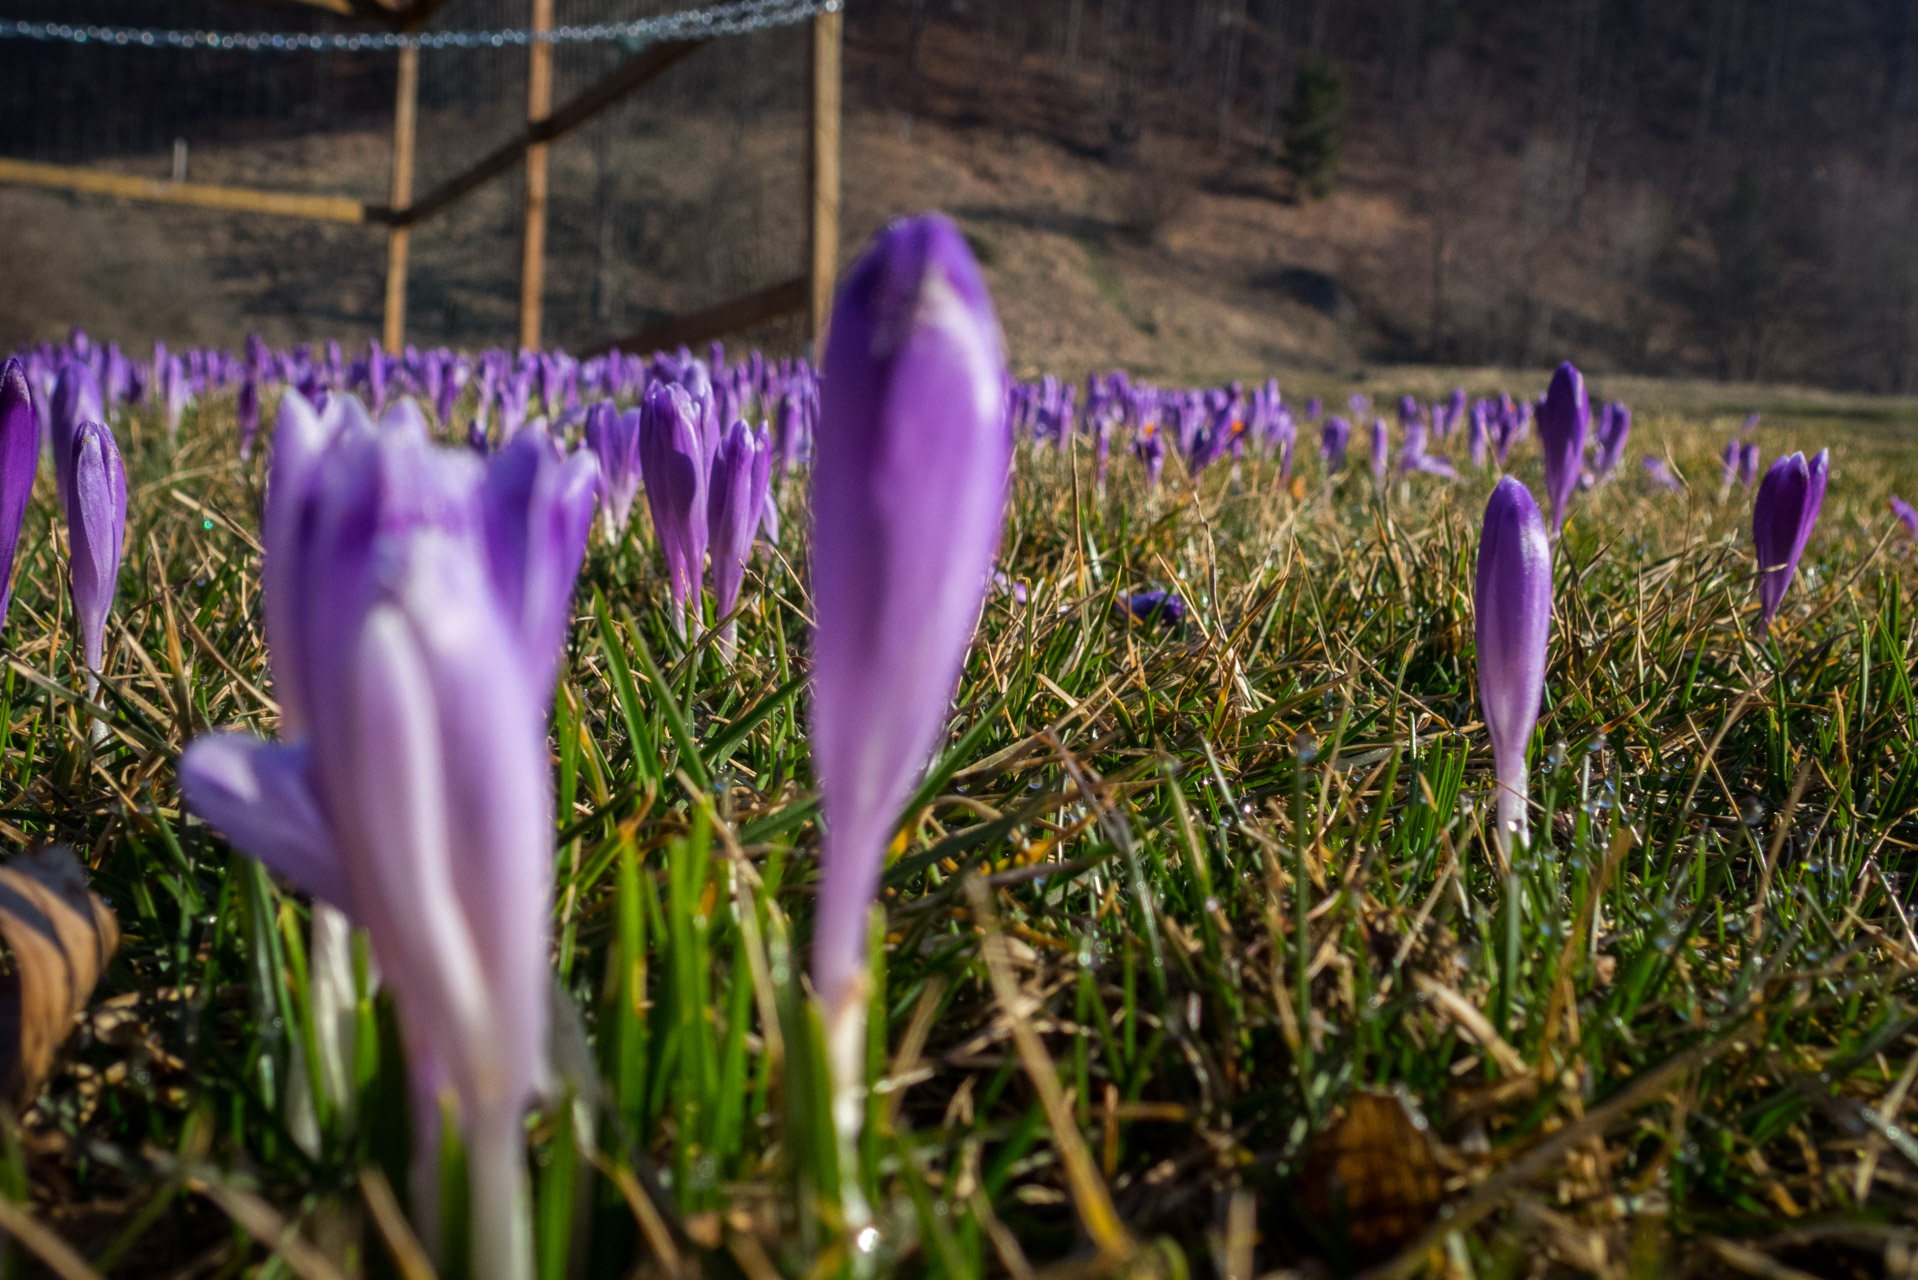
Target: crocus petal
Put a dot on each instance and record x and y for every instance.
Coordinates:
(19, 459)
(256, 794)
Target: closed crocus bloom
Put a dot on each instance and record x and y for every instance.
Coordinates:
(176, 393)
(538, 509)
(614, 439)
(1906, 513)
(733, 507)
(911, 454)
(1728, 473)
(673, 458)
(1748, 461)
(19, 459)
(1381, 450)
(1153, 606)
(1334, 438)
(96, 522)
(75, 399)
(1512, 618)
(1563, 421)
(416, 798)
(1782, 517)
(246, 410)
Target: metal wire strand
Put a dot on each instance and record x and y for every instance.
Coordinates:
(737, 18)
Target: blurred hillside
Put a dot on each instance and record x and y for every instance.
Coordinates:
(1719, 188)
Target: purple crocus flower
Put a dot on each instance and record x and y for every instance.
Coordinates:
(614, 438)
(19, 459)
(96, 503)
(1478, 432)
(1661, 475)
(1614, 429)
(1150, 448)
(1728, 475)
(1154, 606)
(673, 460)
(1512, 618)
(412, 791)
(538, 509)
(176, 393)
(1334, 438)
(1782, 516)
(246, 410)
(1751, 425)
(1748, 460)
(911, 454)
(736, 498)
(1563, 420)
(1314, 408)
(75, 399)
(1906, 513)
(1381, 450)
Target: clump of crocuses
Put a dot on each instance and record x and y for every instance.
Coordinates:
(1512, 619)
(910, 468)
(412, 790)
(1782, 517)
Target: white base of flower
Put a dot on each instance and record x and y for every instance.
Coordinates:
(845, 1026)
(1514, 824)
(500, 1212)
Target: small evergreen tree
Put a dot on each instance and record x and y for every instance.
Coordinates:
(1314, 124)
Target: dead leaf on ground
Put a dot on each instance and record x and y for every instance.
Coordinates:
(61, 935)
(1373, 1171)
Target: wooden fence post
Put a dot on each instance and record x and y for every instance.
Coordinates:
(399, 238)
(822, 172)
(539, 105)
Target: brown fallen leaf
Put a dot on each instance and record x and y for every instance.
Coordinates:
(61, 935)
(1374, 1170)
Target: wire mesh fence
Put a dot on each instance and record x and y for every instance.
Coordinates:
(687, 192)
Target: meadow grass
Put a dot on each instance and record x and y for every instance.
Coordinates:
(1171, 909)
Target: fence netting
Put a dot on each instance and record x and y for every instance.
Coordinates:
(688, 192)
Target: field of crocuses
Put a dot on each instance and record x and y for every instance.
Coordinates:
(680, 814)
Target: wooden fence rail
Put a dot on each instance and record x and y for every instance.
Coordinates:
(811, 293)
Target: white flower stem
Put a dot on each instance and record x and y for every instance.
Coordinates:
(1513, 823)
(845, 1026)
(500, 1210)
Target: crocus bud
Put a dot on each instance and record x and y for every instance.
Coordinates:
(614, 439)
(1334, 438)
(909, 494)
(1153, 606)
(1748, 460)
(1563, 420)
(672, 457)
(1661, 475)
(1150, 448)
(246, 410)
(75, 399)
(1381, 450)
(19, 459)
(96, 522)
(1512, 617)
(538, 510)
(1906, 513)
(176, 393)
(733, 506)
(1782, 516)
